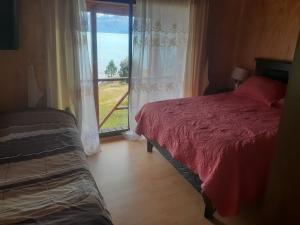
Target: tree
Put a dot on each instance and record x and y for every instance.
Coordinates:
(111, 69)
(124, 69)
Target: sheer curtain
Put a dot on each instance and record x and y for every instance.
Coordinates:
(69, 77)
(160, 40)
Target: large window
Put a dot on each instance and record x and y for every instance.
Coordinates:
(110, 49)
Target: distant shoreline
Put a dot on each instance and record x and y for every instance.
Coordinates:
(111, 46)
(101, 32)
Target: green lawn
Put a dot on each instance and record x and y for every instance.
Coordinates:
(109, 94)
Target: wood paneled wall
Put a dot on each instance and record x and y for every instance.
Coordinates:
(269, 29)
(14, 64)
(223, 25)
(281, 205)
(241, 30)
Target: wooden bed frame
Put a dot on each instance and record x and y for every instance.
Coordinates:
(274, 69)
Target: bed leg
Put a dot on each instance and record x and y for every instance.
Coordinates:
(209, 209)
(149, 146)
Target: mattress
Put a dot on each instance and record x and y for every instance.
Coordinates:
(44, 177)
(227, 140)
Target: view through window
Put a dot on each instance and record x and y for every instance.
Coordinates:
(112, 44)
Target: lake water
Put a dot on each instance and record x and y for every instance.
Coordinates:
(111, 46)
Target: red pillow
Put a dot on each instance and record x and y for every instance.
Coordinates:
(279, 104)
(262, 89)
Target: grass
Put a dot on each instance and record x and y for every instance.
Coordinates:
(109, 94)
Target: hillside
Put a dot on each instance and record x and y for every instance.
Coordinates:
(112, 24)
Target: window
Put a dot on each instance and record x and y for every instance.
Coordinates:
(109, 42)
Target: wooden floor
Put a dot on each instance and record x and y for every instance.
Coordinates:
(142, 188)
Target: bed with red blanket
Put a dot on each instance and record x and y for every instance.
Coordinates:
(227, 140)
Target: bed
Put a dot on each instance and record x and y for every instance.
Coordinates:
(44, 177)
(222, 144)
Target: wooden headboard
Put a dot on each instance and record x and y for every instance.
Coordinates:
(274, 69)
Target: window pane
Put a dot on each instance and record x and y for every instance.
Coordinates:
(89, 36)
(112, 49)
(110, 92)
(112, 39)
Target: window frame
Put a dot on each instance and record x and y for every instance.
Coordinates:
(93, 7)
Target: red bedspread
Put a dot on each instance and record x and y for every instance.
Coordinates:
(226, 139)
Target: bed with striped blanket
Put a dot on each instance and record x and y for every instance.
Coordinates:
(44, 177)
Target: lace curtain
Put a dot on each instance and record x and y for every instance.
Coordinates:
(69, 76)
(160, 38)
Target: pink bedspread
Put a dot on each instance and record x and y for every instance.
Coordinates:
(225, 139)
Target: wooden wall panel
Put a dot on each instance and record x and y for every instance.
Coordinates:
(269, 29)
(281, 205)
(14, 64)
(240, 30)
(223, 28)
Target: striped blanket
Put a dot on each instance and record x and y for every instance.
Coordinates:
(44, 177)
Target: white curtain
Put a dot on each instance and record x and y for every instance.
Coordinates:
(69, 77)
(160, 38)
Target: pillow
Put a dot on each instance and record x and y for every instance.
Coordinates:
(262, 89)
(279, 104)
